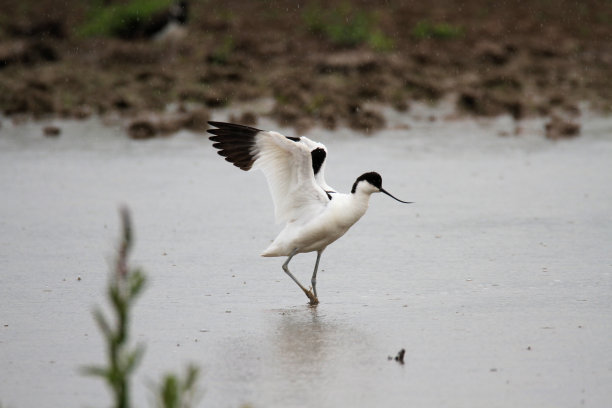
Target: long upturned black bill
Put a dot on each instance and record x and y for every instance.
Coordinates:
(382, 190)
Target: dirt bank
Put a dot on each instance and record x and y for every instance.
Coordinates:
(322, 64)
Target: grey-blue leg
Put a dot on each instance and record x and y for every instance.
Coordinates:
(286, 269)
(313, 298)
(314, 273)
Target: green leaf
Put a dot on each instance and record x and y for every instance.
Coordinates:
(170, 394)
(137, 281)
(134, 358)
(95, 371)
(102, 323)
(193, 373)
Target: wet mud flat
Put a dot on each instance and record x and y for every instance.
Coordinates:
(495, 282)
(321, 64)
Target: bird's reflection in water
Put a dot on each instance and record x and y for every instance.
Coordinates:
(307, 342)
(314, 357)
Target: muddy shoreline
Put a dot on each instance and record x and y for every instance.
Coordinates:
(508, 58)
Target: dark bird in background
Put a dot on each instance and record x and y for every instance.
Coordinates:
(158, 24)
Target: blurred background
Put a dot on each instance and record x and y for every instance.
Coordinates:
(325, 63)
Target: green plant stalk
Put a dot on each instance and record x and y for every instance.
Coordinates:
(124, 287)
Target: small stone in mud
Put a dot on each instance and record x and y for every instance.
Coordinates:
(51, 131)
(480, 102)
(400, 104)
(559, 128)
(141, 129)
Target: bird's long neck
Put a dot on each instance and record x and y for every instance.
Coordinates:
(347, 209)
(355, 205)
(361, 198)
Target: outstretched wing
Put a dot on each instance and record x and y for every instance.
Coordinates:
(286, 162)
(239, 139)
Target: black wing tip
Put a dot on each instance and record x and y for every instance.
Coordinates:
(234, 142)
(232, 126)
(226, 129)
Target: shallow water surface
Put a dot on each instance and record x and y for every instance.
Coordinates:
(496, 281)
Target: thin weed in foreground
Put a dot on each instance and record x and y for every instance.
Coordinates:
(124, 287)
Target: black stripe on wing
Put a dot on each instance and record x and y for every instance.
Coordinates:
(318, 157)
(236, 143)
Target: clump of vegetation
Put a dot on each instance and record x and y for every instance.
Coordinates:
(120, 19)
(176, 392)
(443, 31)
(346, 27)
(124, 287)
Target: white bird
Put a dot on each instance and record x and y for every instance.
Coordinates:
(315, 214)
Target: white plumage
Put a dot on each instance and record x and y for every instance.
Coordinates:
(314, 213)
(287, 166)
